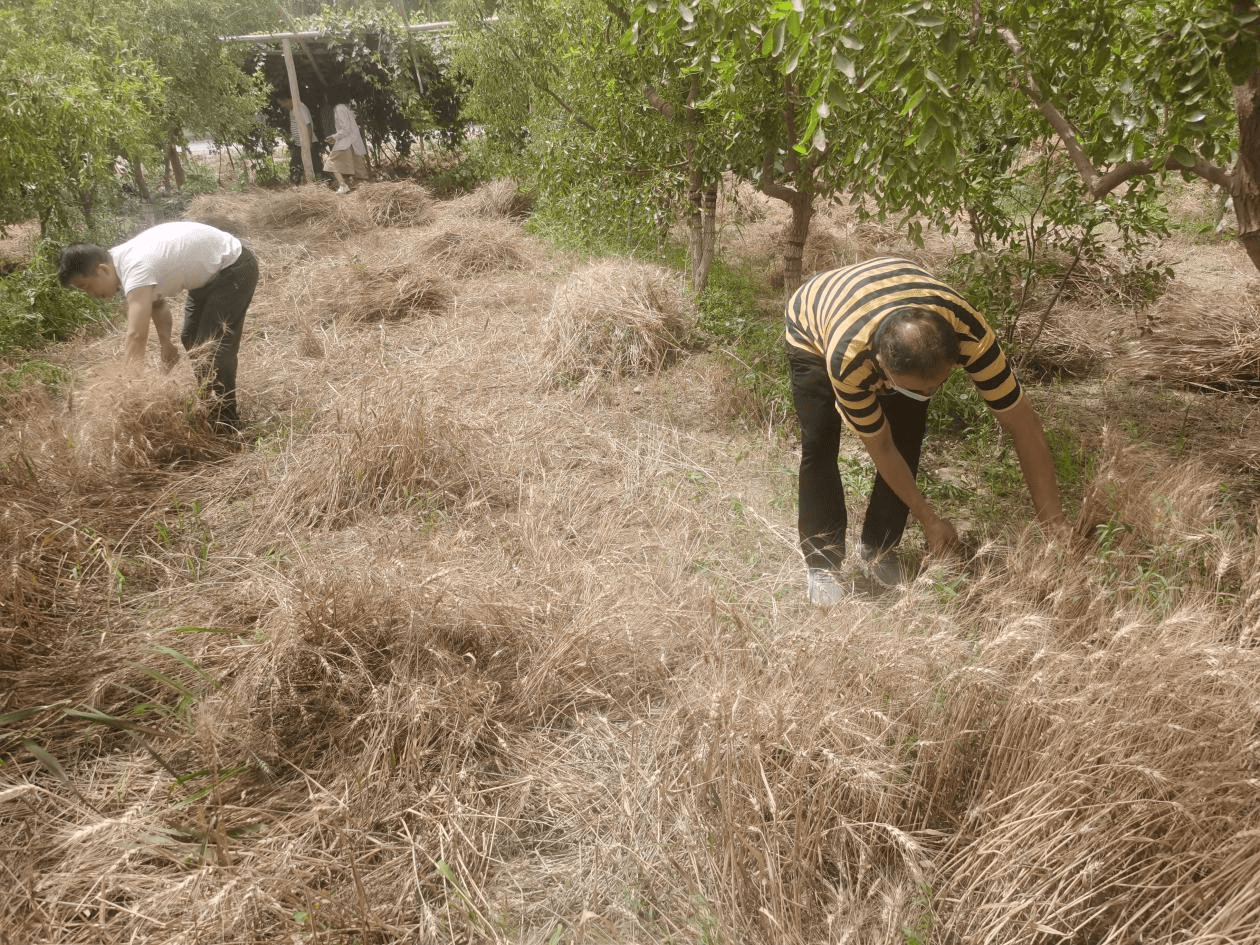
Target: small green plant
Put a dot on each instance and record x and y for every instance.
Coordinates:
(1074, 465)
(14, 382)
(199, 178)
(268, 172)
(920, 930)
(958, 410)
(36, 309)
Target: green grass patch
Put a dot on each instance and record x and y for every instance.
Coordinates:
(747, 328)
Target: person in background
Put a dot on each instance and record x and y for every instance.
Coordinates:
(868, 345)
(297, 118)
(218, 271)
(348, 159)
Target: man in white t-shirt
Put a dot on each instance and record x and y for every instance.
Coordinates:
(217, 270)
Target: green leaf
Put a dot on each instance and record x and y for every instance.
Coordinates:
(844, 65)
(928, 20)
(914, 100)
(45, 759)
(935, 80)
(778, 36)
(793, 60)
(176, 654)
(167, 681)
(928, 134)
(963, 63)
(19, 715)
(1182, 155)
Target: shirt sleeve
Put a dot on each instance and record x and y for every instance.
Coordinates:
(344, 128)
(985, 363)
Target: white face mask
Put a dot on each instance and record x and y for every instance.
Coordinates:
(911, 394)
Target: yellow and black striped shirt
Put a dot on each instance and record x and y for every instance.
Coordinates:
(835, 314)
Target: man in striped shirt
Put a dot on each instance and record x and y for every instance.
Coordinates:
(868, 345)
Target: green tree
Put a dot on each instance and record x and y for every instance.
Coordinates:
(73, 102)
(205, 90)
(1130, 91)
(555, 89)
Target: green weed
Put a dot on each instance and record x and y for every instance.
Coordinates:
(747, 330)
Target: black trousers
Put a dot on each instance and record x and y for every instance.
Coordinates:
(297, 172)
(213, 318)
(822, 517)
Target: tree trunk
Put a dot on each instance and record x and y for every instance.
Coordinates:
(177, 168)
(695, 218)
(802, 204)
(1246, 182)
(708, 237)
(137, 177)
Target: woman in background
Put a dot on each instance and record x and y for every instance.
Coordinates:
(349, 154)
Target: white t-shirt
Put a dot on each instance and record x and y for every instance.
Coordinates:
(174, 257)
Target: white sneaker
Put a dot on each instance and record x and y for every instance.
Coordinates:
(824, 587)
(343, 189)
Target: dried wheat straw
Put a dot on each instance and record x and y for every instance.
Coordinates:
(480, 661)
(615, 318)
(393, 203)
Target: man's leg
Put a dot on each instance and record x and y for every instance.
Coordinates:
(886, 514)
(214, 316)
(297, 171)
(821, 515)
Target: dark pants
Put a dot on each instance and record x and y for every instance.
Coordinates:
(297, 173)
(822, 517)
(213, 318)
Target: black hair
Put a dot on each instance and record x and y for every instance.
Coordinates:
(80, 259)
(915, 341)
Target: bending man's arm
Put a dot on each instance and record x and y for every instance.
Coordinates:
(139, 314)
(940, 533)
(161, 315)
(1024, 427)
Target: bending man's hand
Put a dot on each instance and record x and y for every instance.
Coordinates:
(942, 537)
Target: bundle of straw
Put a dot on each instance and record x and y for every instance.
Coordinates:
(1208, 341)
(501, 197)
(615, 318)
(368, 289)
(394, 203)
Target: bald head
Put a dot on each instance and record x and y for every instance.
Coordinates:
(915, 341)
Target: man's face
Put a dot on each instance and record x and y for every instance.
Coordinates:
(101, 283)
(924, 385)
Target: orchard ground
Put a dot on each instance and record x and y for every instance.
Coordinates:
(493, 628)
